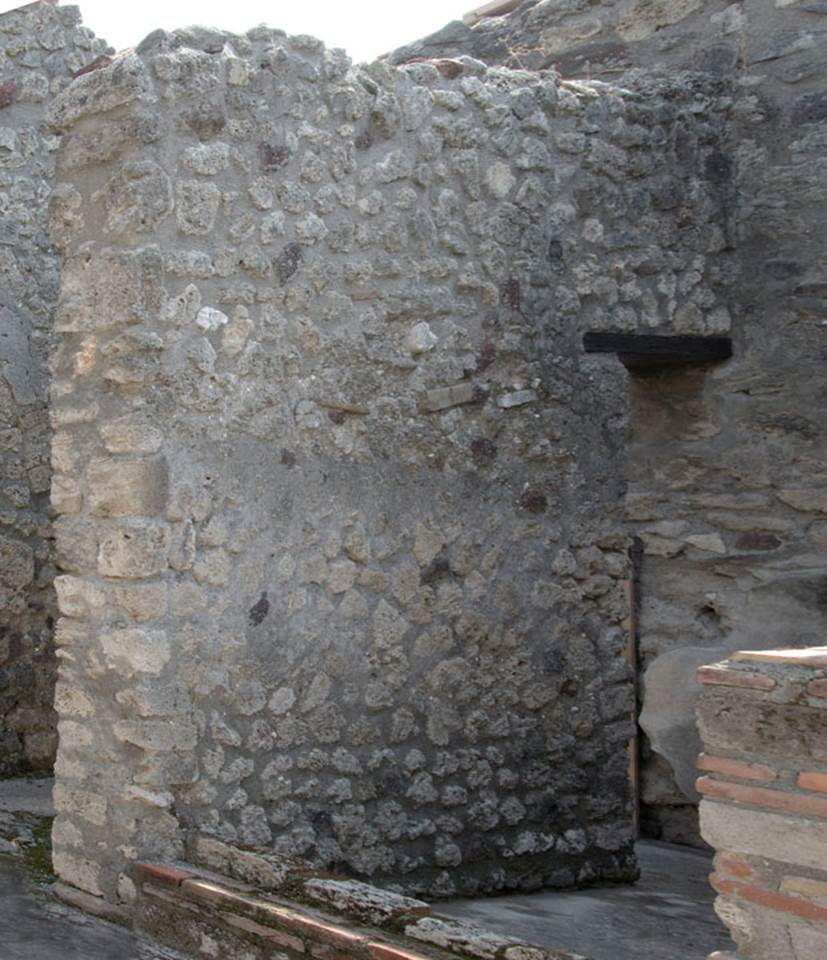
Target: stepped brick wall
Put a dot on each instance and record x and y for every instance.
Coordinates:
(763, 782)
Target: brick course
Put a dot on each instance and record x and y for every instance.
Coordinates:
(739, 769)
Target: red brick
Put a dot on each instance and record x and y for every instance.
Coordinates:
(8, 92)
(795, 803)
(163, 872)
(449, 68)
(770, 899)
(91, 904)
(321, 931)
(386, 951)
(300, 924)
(734, 866)
(722, 676)
(740, 769)
(164, 893)
(797, 657)
(96, 64)
(813, 781)
(265, 933)
(219, 895)
(817, 688)
(323, 951)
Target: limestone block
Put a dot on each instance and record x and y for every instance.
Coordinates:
(266, 871)
(644, 17)
(775, 836)
(110, 289)
(78, 597)
(131, 435)
(772, 731)
(66, 834)
(162, 799)
(66, 495)
(136, 650)
(365, 902)
(207, 159)
(808, 501)
(127, 488)
(72, 702)
(65, 215)
(197, 205)
(134, 550)
(76, 543)
(64, 452)
(78, 871)
(460, 936)
(76, 801)
(137, 199)
(158, 736)
(235, 335)
(109, 138)
(420, 339)
(74, 736)
(500, 180)
(147, 698)
(142, 601)
(122, 82)
(69, 414)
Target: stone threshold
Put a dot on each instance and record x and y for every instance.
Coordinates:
(340, 918)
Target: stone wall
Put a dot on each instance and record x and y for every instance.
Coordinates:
(40, 48)
(764, 787)
(727, 464)
(726, 486)
(344, 574)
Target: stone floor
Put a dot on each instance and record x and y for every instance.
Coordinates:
(667, 915)
(33, 924)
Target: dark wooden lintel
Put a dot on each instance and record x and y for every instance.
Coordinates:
(642, 352)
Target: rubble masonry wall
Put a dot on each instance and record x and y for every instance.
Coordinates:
(344, 573)
(40, 48)
(726, 466)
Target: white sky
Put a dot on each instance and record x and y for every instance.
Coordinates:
(365, 28)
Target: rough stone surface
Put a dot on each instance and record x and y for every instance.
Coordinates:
(383, 500)
(726, 466)
(41, 46)
(338, 496)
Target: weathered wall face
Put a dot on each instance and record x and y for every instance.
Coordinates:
(40, 48)
(726, 466)
(342, 568)
(764, 788)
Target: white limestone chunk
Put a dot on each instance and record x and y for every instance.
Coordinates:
(210, 319)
